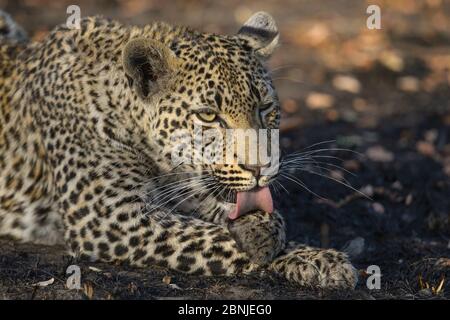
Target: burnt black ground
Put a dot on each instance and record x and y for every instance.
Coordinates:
(405, 226)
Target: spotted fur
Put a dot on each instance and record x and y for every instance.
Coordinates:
(86, 117)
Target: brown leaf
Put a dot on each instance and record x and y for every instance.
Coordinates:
(289, 106)
(378, 208)
(347, 83)
(167, 279)
(379, 154)
(425, 148)
(317, 100)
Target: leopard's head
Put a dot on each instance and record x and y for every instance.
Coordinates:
(199, 82)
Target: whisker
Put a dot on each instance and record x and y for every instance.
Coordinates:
(290, 79)
(281, 185)
(327, 170)
(340, 182)
(301, 184)
(178, 182)
(187, 194)
(181, 191)
(326, 149)
(192, 194)
(318, 144)
(284, 66)
(307, 162)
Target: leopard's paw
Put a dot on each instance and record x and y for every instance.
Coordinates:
(323, 268)
(260, 234)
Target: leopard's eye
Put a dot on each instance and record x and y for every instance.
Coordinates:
(207, 116)
(265, 106)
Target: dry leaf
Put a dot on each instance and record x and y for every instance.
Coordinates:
(378, 208)
(425, 148)
(317, 100)
(95, 269)
(351, 165)
(379, 154)
(392, 61)
(336, 174)
(347, 83)
(174, 286)
(44, 283)
(88, 290)
(409, 199)
(332, 115)
(360, 104)
(289, 106)
(408, 84)
(367, 190)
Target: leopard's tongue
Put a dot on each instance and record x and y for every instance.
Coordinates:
(246, 201)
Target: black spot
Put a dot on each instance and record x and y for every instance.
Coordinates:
(74, 197)
(184, 263)
(97, 234)
(88, 246)
(240, 264)
(163, 236)
(221, 238)
(200, 271)
(112, 237)
(216, 267)
(165, 250)
(120, 250)
(81, 213)
(163, 133)
(185, 238)
(139, 254)
(123, 217)
(220, 252)
(318, 263)
(103, 246)
(218, 99)
(149, 261)
(194, 246)
(98, 189)
(134, 241)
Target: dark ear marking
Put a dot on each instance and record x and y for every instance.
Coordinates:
(261, 32)
(129, 80)
(147, 63)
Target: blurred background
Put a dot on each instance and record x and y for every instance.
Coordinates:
(382, 93)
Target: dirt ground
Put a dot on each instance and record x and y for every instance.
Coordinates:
(382, 93)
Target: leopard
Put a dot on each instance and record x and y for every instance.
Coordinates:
(87, 115)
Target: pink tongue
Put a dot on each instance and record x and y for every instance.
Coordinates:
(252, 200)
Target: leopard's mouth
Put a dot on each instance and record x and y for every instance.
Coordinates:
(258, 198)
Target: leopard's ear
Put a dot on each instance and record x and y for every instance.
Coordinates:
(147, 63)
(262, 33)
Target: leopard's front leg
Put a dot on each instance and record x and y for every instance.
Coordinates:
(315, 267)
(262, 236)
(181, 243)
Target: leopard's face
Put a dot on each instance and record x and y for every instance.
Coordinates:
(220, 85)
(216, 83)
